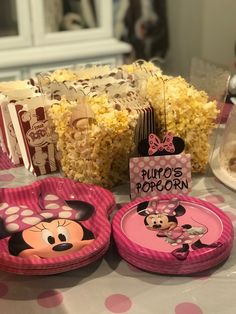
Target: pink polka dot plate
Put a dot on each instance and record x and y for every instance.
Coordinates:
(53, 225)
(170, 235)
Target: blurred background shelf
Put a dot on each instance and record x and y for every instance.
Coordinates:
(49, 34)
(44, 35)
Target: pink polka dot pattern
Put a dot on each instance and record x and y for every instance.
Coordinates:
(215, 199)
(50, 299)
(11, 218)
(7, 177)
(3, 206)
(51, 197)
(52, 206)
(118, 303)
(187, 308)
(12, 227)
(157, 166)
(141, 164)
(27, 212)
(18, 218)
(3, 289)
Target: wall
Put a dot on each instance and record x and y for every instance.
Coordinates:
(200, 28)
(219, 36)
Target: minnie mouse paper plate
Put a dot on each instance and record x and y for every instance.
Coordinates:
(53, 225)
(170, 235)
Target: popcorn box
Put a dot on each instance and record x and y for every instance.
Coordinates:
(178, 107)
(11, 142)
(97, 135)
(114, 85)
(11, 91)
(35, 137)
(16, 86)
(3, 139)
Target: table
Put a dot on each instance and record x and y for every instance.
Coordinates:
(113, 286)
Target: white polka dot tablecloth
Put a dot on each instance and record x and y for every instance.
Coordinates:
(111, 285)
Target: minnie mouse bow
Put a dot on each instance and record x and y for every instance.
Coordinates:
(169, 209)
(156, 145)
(153, 146)
(16, 218)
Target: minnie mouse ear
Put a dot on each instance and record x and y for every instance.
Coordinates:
(3, 232)
(54, 202)
(142, 207)
(85, 209)
(148, 207)
(143, 147)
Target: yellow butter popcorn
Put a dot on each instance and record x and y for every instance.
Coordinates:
(98, 154)
(187, 113)
(142, 67)
(62, 75)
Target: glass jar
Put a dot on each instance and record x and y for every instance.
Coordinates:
(227, 151)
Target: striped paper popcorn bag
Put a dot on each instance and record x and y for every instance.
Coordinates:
(59, 90)
(16, 85)
(3, 138)
(11, 142)
(12, 90)
(34, 134)
(50, 81)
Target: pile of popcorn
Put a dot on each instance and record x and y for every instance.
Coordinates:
(187, 113)
(98, 111)
(94, 147)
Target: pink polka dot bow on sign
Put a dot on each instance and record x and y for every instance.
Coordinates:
(20, 217)
(156, 145)
(169, 209)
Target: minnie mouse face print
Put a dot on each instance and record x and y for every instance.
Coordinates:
(55, 231)
(50, 238)
(164, 221)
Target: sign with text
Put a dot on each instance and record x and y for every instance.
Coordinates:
(155, 175)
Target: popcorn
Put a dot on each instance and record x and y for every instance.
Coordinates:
(188, 113)
(99, 153)
(96, 149)
(67, 75)
(62, 75)
(141, 68)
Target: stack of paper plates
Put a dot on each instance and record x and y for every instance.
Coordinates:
(173, 236)
(53, 225)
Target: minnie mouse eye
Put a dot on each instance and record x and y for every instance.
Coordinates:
(61, 237)
(63, 234)
(51, 240)
(47, 237)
